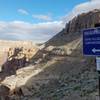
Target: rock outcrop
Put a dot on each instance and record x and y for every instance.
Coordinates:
(18, 58)
(73, 28)
(85, 20)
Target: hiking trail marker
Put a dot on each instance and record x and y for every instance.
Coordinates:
(91, 46)
(91, 41)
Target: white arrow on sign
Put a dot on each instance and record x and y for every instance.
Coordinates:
(94, 50)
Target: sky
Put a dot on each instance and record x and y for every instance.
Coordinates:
(39, 20)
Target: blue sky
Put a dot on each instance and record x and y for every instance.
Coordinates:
(53, 8)
(39, 20)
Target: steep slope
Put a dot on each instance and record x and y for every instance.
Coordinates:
(74, 28)
(63, 73)
(70, 65)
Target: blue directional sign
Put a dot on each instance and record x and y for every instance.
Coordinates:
(91, 41)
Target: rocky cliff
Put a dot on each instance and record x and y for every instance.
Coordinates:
(73, 28)
(60, 72)
(85, 20)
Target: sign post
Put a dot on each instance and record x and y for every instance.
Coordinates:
(91, 46)
(98, 69)
(91, 42)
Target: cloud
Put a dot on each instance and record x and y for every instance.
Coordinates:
(19, 30)
(40, 32)
(82, 8)
(94, 0)
(35, 16)
(22, 11)
(42, 17)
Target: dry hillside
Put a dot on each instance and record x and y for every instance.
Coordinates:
(59, 71)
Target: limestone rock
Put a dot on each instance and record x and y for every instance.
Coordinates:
(85, 20)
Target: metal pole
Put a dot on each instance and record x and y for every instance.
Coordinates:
(98, 69)
(98, 65)
(99, 83)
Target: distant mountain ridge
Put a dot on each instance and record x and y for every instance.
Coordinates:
(6, 44)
